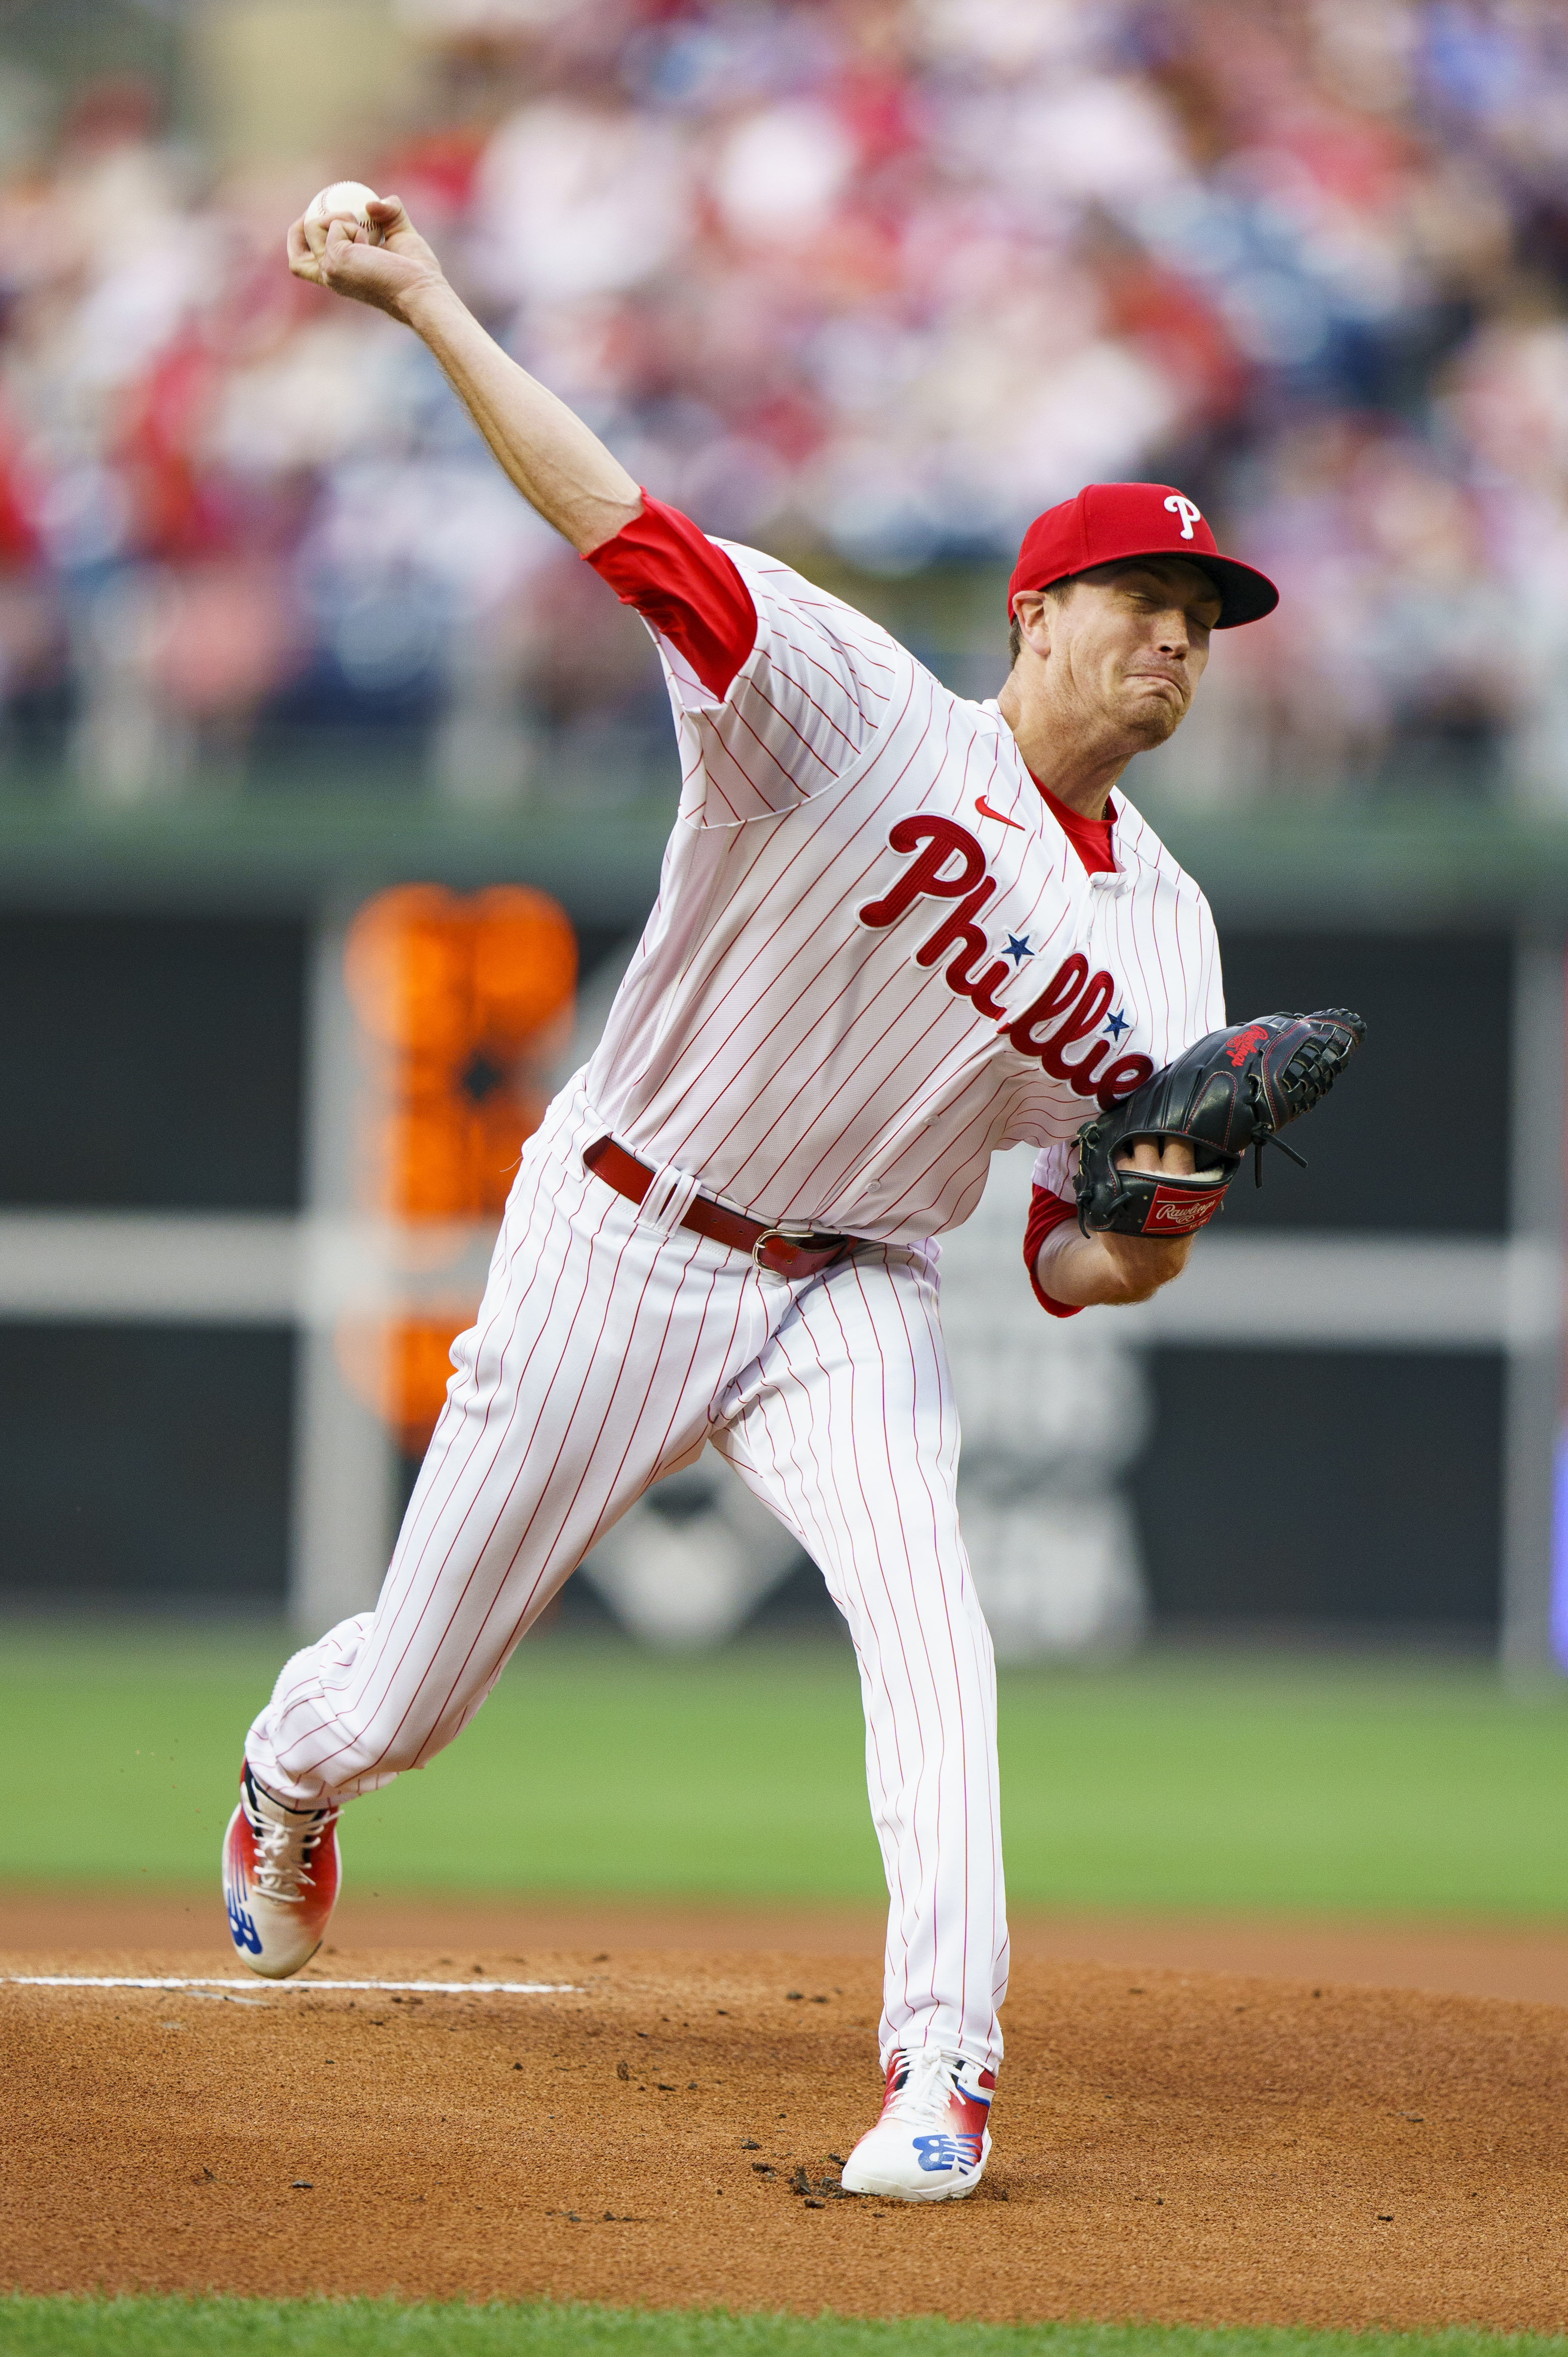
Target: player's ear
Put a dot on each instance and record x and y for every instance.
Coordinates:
(1033, 613)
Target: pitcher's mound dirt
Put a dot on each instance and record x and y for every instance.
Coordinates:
(1198, 2147)
(1526, 1960)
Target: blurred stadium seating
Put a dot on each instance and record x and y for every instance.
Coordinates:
(867, 282)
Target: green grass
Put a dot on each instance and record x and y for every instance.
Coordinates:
(237, 2327)
(1170, 1783)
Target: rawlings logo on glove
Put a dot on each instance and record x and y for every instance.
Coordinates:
(1240, 1047)
(1233, 1090)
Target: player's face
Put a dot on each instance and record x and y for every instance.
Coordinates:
(1133, 639)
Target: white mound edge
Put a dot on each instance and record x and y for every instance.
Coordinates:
(251, 1986)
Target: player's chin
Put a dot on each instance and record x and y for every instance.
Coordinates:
(1153, 713)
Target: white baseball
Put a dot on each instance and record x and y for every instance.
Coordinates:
(344, 200)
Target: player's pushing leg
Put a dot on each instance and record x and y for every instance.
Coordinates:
(847, 1427)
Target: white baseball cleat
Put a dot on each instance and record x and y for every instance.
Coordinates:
(279, 1879)
(931, 2142)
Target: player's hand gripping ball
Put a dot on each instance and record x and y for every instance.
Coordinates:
(364, 247)
(1233, 1090)
(345, 200)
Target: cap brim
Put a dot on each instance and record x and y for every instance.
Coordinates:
(1247, 594)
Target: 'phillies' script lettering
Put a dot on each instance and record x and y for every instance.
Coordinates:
(928, 876)
(949, 865)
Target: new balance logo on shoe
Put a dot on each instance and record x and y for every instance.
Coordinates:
(242, 1927)
(947, 2151)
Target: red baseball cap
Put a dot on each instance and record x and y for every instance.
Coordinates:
(1109, 522)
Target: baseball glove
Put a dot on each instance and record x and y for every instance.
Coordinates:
(1233, 1090)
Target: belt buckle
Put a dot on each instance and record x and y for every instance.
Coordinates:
(784, 1235)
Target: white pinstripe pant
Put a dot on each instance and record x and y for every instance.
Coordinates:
(610, 1345)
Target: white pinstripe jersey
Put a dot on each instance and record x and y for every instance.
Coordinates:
(875, 958)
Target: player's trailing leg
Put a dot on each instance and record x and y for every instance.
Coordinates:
(933, 2138)
(279, 1879)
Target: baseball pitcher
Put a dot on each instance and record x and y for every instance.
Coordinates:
(896, 932)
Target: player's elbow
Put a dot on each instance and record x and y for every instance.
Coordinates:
(1127, 1292)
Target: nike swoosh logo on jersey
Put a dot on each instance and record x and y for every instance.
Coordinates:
(983, 807)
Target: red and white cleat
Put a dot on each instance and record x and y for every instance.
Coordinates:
(279, 1879)
(933, 2141)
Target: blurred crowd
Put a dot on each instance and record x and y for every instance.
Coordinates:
(868, 282)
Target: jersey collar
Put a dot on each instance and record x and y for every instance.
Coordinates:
(1091, 838)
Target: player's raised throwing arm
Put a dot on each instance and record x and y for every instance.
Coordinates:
(776, 688)
(561, 468)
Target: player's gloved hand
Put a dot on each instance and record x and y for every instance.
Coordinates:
(1173, 1156)
(1141, 1264)
(338, 254)
(1232, 1090)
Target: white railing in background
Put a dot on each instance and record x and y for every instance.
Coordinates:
(1385, 1293)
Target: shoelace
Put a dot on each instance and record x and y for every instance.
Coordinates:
(283, 1858)
(927, 2087)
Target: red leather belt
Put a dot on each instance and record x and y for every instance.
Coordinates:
(792, 1254)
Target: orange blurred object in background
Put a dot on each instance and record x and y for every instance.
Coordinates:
(462, 1003)
(399, 1367)
(408, 965)
(459, 996)
(524, 961)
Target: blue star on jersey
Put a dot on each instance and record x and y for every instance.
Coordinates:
(1018, 949)
(1116, 1025)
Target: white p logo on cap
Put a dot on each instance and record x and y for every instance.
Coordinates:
(1176, 505)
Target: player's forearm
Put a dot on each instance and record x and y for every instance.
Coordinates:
(1107, 1271)
(558, 464)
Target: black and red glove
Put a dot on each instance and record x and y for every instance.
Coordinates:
(1230, 1090)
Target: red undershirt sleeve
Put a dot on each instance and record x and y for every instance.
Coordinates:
(688, 590)
(1046, 1212)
